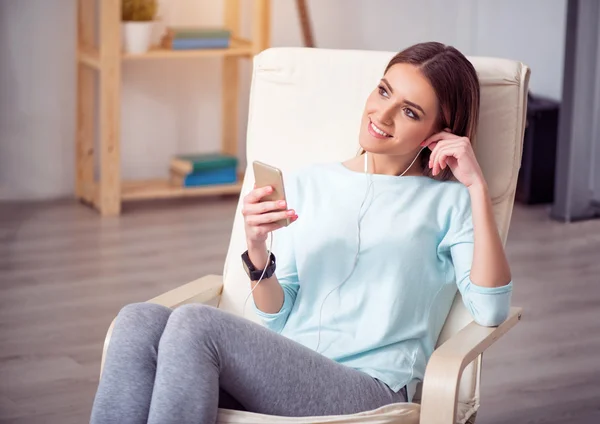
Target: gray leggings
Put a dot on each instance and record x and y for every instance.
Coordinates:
(165, 366)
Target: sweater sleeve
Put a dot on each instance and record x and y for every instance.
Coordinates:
(489, 306)
(286, 270)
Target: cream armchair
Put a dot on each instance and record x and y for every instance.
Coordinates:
(305, 106)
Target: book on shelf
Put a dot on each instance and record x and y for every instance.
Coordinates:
(196, 44)
(196, 38)
(192, 170)
(179, 32)
(193, 162)
(204, 178)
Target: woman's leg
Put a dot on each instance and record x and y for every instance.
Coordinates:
(127, 381)
(203, 348)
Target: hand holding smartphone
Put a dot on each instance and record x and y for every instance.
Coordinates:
(269, 176)
(265, 208)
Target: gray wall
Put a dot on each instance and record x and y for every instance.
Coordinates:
(37, 98)
(173, 106)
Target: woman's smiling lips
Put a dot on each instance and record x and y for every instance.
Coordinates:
(376, 131)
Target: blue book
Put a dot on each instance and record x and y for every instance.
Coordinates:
(206, 178)
(200, 43)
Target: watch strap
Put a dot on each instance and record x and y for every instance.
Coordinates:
(255, 273)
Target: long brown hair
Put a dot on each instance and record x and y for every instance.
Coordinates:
(456, 86)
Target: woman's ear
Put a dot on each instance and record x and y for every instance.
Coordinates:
(428, 140)
(438, 129)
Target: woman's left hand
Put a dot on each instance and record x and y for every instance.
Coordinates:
(456, 152)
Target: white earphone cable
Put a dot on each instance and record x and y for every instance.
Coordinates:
(360, 217)
(355, 262)
(261, 276)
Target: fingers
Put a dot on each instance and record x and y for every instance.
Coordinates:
(438, 143)
(446, 149)
(262, 217)
(255, 195)
(271, 217)
(440, 161)
(261, 231)
(435, 149)
(263, 207)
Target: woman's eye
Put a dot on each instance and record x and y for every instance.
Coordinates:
(410, 113)
(383, 91)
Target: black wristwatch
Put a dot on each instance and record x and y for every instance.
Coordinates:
(254, 273)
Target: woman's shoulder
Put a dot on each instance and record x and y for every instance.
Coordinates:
(453, 187)
(454, 197)
(449, 199)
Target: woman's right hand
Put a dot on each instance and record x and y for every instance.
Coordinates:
(261, 217)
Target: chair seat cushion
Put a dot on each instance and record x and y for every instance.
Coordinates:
(395, 413)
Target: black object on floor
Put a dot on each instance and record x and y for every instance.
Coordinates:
(535, 184)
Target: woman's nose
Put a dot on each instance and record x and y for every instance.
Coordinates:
(387, 115)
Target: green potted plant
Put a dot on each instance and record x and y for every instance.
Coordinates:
(138, 23)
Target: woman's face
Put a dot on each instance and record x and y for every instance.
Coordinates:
(400, 113)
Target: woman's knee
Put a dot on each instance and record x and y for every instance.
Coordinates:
(193, 319)
(195, 314)
(141, 316)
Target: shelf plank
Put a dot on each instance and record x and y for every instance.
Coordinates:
(163, 189)
(241, 48)
(238, 47)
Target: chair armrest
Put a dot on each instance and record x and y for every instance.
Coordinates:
(202, 290)
(447, 363)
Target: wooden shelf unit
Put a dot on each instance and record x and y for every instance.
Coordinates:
(103, 57)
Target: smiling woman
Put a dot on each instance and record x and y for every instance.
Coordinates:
(425, 89)
(395, 241)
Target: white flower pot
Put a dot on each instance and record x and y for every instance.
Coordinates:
(137, 36)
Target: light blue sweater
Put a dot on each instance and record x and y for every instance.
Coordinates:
(416, 251)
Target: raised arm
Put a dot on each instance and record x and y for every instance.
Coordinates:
(482, 271)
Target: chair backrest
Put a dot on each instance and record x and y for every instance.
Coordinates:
(305, 107)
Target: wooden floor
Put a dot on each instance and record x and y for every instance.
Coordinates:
(65, 272)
